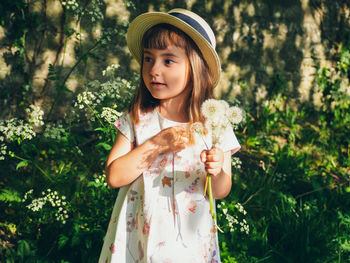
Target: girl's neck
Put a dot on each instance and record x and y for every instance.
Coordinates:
(173, 111)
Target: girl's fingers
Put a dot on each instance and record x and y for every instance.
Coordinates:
(203, 156)
(212, 158)
(212, 165)
(214, 172)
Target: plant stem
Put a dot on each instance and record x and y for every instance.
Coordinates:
(37, 166)
(210, 194)
(206, 185)
(95, 114)
(211, 202)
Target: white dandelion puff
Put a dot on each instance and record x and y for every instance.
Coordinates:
(212, 109)
(234, 115)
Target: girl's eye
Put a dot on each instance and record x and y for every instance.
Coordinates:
(169, 61)
(147, 59)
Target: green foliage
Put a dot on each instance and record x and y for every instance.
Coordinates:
(58, 199)
(294, 181)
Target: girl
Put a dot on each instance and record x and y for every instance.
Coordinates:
(161, 214)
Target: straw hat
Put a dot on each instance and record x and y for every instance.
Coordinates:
(190, 23)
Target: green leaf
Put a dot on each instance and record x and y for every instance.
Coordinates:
(61, 88)
(62, 241)
(21, 164)
(9, 196)
(23, 249)
(345, 246)
(106, 146)
(52, 73)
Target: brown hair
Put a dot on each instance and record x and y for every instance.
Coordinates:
(159, 37)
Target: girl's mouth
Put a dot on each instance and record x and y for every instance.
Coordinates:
(157, 84)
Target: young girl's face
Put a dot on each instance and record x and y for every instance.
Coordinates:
(165, 72)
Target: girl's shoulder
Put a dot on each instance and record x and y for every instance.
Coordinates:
(124, 119)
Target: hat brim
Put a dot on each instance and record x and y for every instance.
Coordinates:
(142, 23)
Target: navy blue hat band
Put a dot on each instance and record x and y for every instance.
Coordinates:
(193, 23)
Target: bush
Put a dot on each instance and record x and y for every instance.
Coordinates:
(290, 200)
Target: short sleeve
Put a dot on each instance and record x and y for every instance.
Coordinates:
(125, 126)
(229, 140)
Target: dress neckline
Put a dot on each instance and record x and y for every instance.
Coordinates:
(171, 121)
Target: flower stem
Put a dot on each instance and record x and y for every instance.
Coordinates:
(95, 114)
(211, 202)
(206, 185)
(210, 194)
(37, 166)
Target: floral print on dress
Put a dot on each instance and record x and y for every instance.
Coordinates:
(163, 216)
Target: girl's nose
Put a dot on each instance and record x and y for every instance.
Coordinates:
(154, 71)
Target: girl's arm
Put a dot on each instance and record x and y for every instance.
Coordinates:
(125, 164)
(218, 164)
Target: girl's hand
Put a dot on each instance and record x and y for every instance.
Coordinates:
(213, 160)
(173, 139)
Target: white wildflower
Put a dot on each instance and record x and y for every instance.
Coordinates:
(51, 197)
(224, 104)
(35, 115)
(16, 130)
(110, 115)
(234, 115)
(3, 151)
(86, 97)
(236, 162)
(110, 70)
(100, 180)
(55, 132)
(213, 109)
(236, 220)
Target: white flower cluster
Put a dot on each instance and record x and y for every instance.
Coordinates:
(16, 130)
(233, 220)
(3, 150)
(35, 115)
(280, 178)
(87, 98)
(219, 115)
(54, 132)
(100, 180)
(87, 101)
(53, 199)
(236, 162)
(110, 115)
(110, 70)
(90, 101)
(112, 89)
(71, 4)
(94, 10)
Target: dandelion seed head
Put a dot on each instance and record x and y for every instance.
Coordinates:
(234, 115)
(212, 109)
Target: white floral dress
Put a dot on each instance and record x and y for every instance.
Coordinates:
(163, 216)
